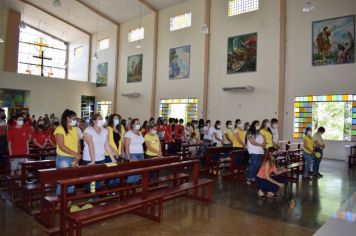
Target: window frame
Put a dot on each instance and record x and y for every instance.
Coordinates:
(241, 13)
(100, 40)
(136, 29)
(181, 15)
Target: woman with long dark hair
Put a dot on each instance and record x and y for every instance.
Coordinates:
(255, 146)
(68, 145)
(266, 132)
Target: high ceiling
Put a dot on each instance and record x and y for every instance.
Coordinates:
(79, 15)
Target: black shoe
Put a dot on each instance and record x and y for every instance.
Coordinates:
(320, 175)
(307, 178)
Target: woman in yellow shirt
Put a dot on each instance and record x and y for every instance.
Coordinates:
(266, 132)
(153, 145)
(239, 134)
(68, 145)
(308, 152)
(115, 137)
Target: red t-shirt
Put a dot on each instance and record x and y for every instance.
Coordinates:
(168, 134)
(161, 131)
(51, 136)
(40, 137)
(179, 132)
(18, 138)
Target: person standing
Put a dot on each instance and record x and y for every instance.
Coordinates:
(216, 135)
(266, 132)
(3, 141)
(179, 134)
(319, 147)
(255, 147)
(308, 152)
(18, 139)
(274, 130)
(134, 146)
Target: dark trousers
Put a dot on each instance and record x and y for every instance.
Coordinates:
(98, 184)
(267, 186)
(317, 161)
(3, 150)
(111, 182)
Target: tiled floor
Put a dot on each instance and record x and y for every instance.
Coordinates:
(235, 211)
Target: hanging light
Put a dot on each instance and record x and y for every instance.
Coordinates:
(22, 24)
(308, 6)
(57, 3)
(204, 29)
(139, 43)
(95, 57)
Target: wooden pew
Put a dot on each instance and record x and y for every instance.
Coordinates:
(49, 177)
(30, 182)
(237, 171)
(186, 155)
(213, 166)
(148, 204)
(352, 157)
(294, 171)
(13, 182)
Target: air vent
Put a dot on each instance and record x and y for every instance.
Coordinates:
(131, 95)
(239, 89)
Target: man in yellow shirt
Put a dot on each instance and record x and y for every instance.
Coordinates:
(319, 146)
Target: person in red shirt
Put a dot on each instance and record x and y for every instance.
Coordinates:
(39, 136)
(179, 133)
(161, 129)
(18, 143)
(50, 133)
(168, 137)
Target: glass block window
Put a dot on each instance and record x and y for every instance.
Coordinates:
(103, 44)
(337, 113)
(236, 7)
(185, 108)
(180, 22)
(41, 54)
(136, 34)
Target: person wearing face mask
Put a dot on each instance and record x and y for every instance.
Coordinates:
(115, 137)
(230, 137)
(68, 145)
(134, 146)
(168, 137)
(255, 147)
(266, 132)
(195, 129)
(319, 147)
(274, 129)
(39, 136)
(3, 139)
(161, 128)
(18, 139)
(50, 132)
(239, 135)
(152, 143)
(308, 152)
(207, 133)
(216, 134)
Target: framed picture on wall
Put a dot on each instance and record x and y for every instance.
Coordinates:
(333, 41)
(179, 63)
(134, 68)
(242, 53)
(102, 75)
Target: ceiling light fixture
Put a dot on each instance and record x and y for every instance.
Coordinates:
(95, 57)
(57, 3)
(22, 24)
(308, 6)
(204, 29)
(139, 43)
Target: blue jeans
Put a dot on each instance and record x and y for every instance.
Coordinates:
(111, 182)
(267, 186)
(135, 157)
(98, 184)
(64, 162)
(308, 159)
(255, 161)
(317, 161)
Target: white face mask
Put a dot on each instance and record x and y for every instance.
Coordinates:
(100, 123)
(309, 133)
(228, 126)
(19, 122)
(154, 131)
(275, 126)
(116, 122)
(73, 123)
(257, 127)
(218, 126)
(268, 125)
(239, 125)
(137, 127)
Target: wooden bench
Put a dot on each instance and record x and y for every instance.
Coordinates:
(148, 204)
(294, 171)
(237, 171)
(13, 182)
(214, 165)
(49, 177)
(30, 185)
(352, 157)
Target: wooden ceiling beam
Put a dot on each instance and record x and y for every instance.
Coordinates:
(112, 20)
(149, 6)
(55, 16)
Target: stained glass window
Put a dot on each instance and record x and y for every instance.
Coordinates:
(41, 54)
(136, 34)
(180, 22)
(337, 112)
(236, 7)
(185, 108)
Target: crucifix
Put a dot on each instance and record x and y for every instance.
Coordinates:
(41, 44)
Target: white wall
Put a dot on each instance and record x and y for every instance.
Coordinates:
(3, 27)
(181, 88)
(78, 66)
(48, 95)
(304, 79)
(106, 55)
(141, 106)
(263, 101)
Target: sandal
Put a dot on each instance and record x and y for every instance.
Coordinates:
(260, 194)
(271, 195)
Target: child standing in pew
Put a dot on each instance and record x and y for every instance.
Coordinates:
(68, 145)
(268, 179)
(18, 144)
(153, 146)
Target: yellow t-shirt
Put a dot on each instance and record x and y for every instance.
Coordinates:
(70, 140)
(309, 143)
(232, 138)
(197, 133)
(268, 137)
(154, 142)
(241, 135)
(112, 141)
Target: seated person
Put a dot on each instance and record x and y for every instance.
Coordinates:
(268, 180)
